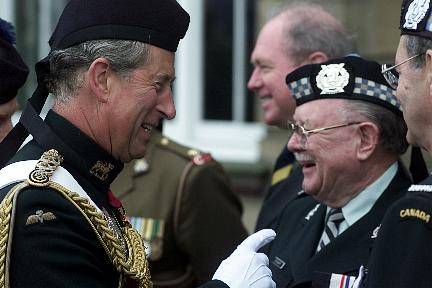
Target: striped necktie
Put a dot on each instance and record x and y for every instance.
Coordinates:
(334, 218)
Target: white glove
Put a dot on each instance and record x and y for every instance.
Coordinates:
(245, 267)
(359, 279)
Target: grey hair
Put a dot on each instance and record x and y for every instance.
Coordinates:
(415, 45)
(310, 28)
(392, 128)
(67, 65)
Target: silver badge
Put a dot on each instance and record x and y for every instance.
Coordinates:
(332, 78)
(415, 14)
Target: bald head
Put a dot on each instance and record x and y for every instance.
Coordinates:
(308, 28)
(301, 34)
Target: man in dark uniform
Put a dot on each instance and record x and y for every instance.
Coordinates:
(405, 236)
(181, 202)
(13, 74)
(110, 69)
(348, 135)
(299, 35)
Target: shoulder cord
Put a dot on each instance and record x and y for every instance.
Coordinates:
(131, 263)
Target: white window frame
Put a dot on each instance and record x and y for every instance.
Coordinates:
(7, 8)
(234, 141)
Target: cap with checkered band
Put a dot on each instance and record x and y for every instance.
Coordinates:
(350, 77)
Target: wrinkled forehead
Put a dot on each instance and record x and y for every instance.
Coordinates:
(320, 111)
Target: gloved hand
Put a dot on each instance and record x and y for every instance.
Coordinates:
(245, 267)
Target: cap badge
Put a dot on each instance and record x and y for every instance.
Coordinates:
(101, 170)
(332, 78)
(415, 14)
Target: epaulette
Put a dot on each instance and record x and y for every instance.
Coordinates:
(190, 154)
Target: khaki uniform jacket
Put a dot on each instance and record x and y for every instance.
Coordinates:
(181, 202)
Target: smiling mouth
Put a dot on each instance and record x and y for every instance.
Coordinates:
(304, 160)
(308, 164)
(147, 128)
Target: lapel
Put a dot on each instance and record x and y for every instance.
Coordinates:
(351, 249)
(280, 195)
(304, 242)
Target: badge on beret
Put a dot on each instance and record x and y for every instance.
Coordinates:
(332, 78)
(415, 14)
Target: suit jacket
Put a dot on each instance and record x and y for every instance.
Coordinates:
(293, 260)
(402, 254)
(286, 183)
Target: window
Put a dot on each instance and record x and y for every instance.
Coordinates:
(215, 110)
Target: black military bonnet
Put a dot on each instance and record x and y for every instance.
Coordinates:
(161, 23)
(350, 77)
(415, 16)
(13, 70)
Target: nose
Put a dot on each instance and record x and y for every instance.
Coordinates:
(295, 143)
(166, 105)
(255, 81)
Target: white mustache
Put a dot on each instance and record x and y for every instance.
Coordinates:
(303, 157)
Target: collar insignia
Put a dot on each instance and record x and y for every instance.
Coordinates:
(40, 217)
(332, 78)
(140, 166)
(415, 14)
(312, 212)
(375, 232)
(101, 170)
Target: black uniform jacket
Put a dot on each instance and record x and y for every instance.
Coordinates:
(63, 252)
(402, 254)
(293, 260)
(286, 183)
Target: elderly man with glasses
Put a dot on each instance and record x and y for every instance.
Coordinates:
(347, 136)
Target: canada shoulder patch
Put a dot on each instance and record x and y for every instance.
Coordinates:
(414, 213)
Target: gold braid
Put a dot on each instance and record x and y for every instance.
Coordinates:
(130, 262)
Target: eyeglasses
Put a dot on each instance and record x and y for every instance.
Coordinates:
(391, 75)
(304, 133)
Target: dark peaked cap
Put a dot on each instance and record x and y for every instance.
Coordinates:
(350, 77)
(13, 70)
(159, 23)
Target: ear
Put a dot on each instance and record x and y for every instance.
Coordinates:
(428, 70)
(369, 137)
(98, 74)
(317, 57)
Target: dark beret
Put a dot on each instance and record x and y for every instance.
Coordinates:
(13, 71)
(414, 18)
(350, 77)
(161, 23)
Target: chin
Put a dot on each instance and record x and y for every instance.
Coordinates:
(137, 153)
